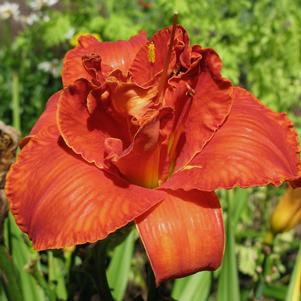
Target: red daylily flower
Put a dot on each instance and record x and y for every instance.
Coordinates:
(145, 131)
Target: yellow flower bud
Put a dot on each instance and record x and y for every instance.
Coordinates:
(69, 249)
(74, 39)
(287, 213)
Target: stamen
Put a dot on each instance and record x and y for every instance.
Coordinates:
(164, 76)
(151, 53)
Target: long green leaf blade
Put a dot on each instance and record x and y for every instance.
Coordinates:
(228, 285)
(118, 270)
(9, 276)
(293, 293)
(239, 202)
(192, 288)
(22, 255)
(16, 101)
(179, 286)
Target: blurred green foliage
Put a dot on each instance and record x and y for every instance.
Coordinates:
(259, 42)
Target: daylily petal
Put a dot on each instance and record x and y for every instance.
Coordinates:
(183, 234)
(116, 55)
(202, 107)
(296, 183)
(120, 54)
(144, 69)
(61, 200)
(85, 133)
(131, 100)
(139, 163)
(254, 147)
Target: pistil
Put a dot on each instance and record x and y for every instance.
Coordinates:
(164, 76)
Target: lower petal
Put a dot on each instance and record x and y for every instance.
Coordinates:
(61, 200)
(184, 234)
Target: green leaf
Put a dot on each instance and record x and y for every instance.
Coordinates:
(16, 101)
(179, 286)
(2, 294)
(228, 285)
(56, 30)
(118, 270)
(23, 256)
(192, 288)
(9, 276)
(181, 6)
(239, 202)
(41, 281)
(56, 275)
(293, 293)
(276, 292)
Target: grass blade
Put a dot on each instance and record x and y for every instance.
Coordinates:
(276, 292)
(9, 276)
(118, 270)
(56, 276)
(228, 284)
(2, 294)
(192, 288)
(22, 256)
(16, 101)
(179, 286)
(239, 202)
(293, 293)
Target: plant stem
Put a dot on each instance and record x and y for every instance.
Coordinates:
(103, 286)
(266, 268)
(293, 293)
(152, 294)
(15, 94)
(16, 101)
(9, 234)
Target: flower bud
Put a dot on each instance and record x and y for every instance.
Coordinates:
(74, 39)
(287, 213)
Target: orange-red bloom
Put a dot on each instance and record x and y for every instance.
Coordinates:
(145, 131)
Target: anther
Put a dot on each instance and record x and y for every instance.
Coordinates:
(151, 52)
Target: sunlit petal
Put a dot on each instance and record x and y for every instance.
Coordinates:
(61, 200)
(144, 69)
(254, 147)
(85, 133)
(116, 55)
(183, 234)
